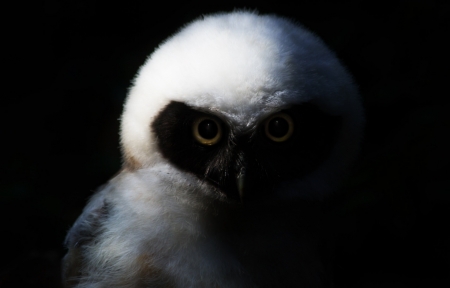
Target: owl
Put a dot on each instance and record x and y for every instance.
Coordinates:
(233, 128)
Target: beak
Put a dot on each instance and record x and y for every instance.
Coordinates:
(240, 181)
(241, 176)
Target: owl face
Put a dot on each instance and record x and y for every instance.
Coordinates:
(246, 164)
(254, 106)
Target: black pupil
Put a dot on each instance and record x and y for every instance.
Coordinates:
(208, 129)
(278, 127)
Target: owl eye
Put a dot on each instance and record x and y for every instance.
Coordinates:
(206, 131)
(279, 127)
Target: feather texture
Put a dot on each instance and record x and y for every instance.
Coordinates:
(169, 218)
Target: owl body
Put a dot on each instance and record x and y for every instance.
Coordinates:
(232, 128)
(138, 239)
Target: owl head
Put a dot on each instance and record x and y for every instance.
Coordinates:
(256, 107)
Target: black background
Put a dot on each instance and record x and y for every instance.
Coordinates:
(70, 63)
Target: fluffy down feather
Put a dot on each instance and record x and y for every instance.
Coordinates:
(155, 225)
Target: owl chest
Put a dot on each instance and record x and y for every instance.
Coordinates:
(262, 258)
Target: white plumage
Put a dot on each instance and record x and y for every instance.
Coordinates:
(161, 223)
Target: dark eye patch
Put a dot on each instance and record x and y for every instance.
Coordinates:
(267, 162)
(173, 130)
(271, 162)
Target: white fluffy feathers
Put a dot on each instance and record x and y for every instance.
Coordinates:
(241, 64)
(154, 225)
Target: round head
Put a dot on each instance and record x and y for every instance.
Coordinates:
(256, 106)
